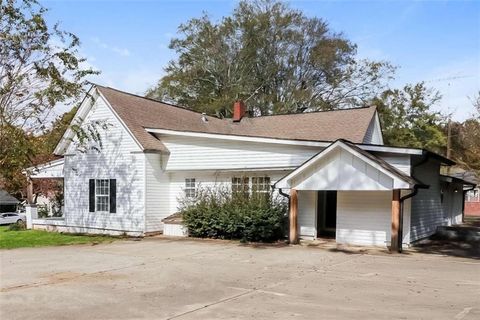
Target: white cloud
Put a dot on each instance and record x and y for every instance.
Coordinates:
(124, 52)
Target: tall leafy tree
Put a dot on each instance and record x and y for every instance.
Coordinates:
(408, 119)
(40, 67)
(465, 140)
(275, 57)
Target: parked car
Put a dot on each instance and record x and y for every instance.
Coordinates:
(11, 217)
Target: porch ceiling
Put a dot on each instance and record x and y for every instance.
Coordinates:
(344, 166)
(52, 169)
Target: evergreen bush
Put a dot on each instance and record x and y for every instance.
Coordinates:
(220, 213)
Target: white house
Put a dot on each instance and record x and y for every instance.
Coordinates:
(339, 176)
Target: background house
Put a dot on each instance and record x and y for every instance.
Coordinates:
(8, 203)
(472, 195)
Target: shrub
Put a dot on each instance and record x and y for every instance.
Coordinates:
(42, 211)
(219, 213)
(17, 226)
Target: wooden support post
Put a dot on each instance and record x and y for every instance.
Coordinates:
(293, 216)
(29, 191)
(395, 220)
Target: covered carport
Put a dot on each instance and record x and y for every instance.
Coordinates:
(370, 196)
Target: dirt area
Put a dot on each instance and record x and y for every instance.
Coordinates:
(157, 278)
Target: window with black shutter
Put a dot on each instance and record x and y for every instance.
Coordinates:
(113, 195)
(91, 195)
(103, 195)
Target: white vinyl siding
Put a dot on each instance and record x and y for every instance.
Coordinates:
(211, 180)
(364, 217)
(427, 209)
(307, 212)
(339, 169)
(399, 161)
(118, 159)
(452, 203)
(187, 153)
(157, 193)
(374, 132)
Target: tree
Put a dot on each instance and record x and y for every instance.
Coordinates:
(271, 55)
(465, 138)
(408, 120)
(40, 67)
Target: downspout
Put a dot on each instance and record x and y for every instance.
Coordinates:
(286, 195)
(400, 231)
(405, 197)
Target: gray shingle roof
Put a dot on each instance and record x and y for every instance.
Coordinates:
(6, 198)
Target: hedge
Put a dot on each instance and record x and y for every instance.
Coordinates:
(219, 213)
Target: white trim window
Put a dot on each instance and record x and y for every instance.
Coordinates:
(260, 184)
(190, 187)
(251, 185)
(240, 185)
(102, 195)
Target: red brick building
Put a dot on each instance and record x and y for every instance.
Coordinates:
(472, 202)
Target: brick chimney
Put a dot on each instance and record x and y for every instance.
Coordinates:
(239, 110)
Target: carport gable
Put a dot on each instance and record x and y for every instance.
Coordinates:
(344, 166)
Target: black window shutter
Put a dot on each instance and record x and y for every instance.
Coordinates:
(113, 195)
(91, 195)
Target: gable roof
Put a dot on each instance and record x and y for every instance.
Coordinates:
(6, 198)
(370, 158)
(139, 113)
(384, 164)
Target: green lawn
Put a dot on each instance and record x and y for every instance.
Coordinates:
(37, 238)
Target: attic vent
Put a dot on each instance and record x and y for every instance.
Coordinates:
(204, 117)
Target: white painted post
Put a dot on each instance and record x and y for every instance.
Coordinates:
(31, 212)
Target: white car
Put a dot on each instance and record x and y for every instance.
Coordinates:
(11, 217)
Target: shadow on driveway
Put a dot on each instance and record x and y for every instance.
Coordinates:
(458, 241)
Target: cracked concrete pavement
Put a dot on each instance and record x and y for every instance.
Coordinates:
(190, 279)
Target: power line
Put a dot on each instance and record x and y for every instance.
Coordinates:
(449, 78)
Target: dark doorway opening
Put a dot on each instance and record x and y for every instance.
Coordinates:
(326, 213)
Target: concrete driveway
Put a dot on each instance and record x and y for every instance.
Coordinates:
(186, 279)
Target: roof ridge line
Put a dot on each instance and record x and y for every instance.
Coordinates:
(317, 111)
(226, 119)
(154, 100)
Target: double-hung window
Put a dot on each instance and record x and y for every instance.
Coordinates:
(253, 185)
(260, 184)
(240, 185)
(102, 195)
(190, 187)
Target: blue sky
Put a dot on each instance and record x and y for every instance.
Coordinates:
(433, 41)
